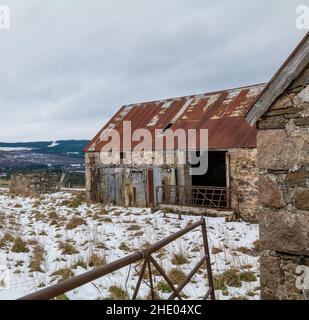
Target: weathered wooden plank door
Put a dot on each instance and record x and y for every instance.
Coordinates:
(150, 188)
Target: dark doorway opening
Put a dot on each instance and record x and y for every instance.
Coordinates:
(216, 174)
(210, 189)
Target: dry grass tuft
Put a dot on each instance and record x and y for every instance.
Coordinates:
(216, 250)
(39, 216)
(97, 261)
(75, 202)
(229, 278)
(64, 274)
(75, 222)
(124, 247)
(248, 276)
(7, 238)
(36, 204)
(67, 248)
(138, 234)
(37, 259)
(52, 215)
(177, 276)
(134, 227)
(79, 263)
(179, 258)
(19, 246)
(117, 293)
(163, 287)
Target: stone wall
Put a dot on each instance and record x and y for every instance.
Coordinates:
(35, 183)
(244, 183)
(283, 162)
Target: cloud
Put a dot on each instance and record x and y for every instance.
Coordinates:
(68, 66)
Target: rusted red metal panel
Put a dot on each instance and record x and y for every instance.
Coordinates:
(222, 113)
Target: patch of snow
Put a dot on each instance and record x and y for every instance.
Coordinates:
(53, 144)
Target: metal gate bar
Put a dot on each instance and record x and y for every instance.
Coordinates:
(144, 255)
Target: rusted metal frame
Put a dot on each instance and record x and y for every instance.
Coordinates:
(140, 279)
(205, 199)
(204, 195)
(207, 294)
(195, 195)
(153, 297)
(166, 278)
(208, 262)
(211, 201)
(78, 281)
(188, 278)
(212, 197)
(198, 194)
(220, 199)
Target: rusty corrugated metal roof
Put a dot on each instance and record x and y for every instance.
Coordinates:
(222, 113)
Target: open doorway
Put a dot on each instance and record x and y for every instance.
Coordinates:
(209, 190)
(216, 174)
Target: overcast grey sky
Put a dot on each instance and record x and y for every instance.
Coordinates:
(67, 66)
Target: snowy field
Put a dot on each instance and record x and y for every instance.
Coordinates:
(54, 237)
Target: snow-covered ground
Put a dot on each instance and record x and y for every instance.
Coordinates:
(39, 239)
(9, 149)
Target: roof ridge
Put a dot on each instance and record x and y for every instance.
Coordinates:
(194, 95)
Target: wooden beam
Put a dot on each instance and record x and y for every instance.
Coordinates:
(290, 70)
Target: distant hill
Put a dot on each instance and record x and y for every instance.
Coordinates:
(72, 148)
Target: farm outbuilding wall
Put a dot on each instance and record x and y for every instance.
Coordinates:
(244, 183)
(283, 161)
(136, 186)
(282, 116)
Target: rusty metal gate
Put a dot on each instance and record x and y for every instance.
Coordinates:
(208, 197)
(148, 262)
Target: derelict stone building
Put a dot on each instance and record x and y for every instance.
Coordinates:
(231, 181)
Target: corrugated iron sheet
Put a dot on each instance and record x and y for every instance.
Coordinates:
(222, 113)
